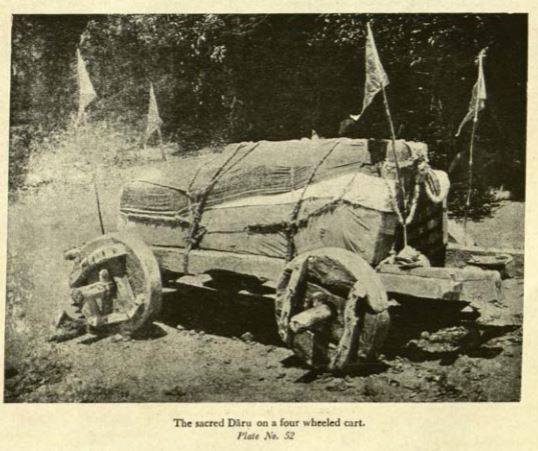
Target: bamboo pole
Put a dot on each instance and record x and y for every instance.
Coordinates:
(471, 148)
(161, 144)
(98, 203)
(380, 71)
(470, 176)
(397, 164)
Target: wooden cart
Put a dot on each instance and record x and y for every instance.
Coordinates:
(331, 302)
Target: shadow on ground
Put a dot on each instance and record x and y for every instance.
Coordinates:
(224, 314)
(419, 336)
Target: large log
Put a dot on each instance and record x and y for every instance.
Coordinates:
(335, 213)
(264, 168)
(254, 194)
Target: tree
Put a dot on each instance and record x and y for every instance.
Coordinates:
(249, 77)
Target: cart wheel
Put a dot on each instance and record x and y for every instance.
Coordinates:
(116, 283)
(331, 309)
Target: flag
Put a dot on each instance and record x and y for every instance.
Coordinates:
(86, 92)
(154, 120)
(376, 78)
(478, 97)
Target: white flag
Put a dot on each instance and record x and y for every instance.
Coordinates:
(478, 97)
(376, 78)
(86, 92)
(154, 121)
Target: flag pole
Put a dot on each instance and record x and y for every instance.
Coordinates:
(154, 122)
(98, 202)
(86, 96)
(470, 173)
(397, 164)
(161, 144)
(471, 149)
(380, 71)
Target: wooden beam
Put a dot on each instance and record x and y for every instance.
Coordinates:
(457, 255)
(201, 261)
(448, 284)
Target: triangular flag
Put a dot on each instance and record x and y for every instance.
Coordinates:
(154, 120)
(86, 92)
(478, 97)
(376, 78)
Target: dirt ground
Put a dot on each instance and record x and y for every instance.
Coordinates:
(218, 348)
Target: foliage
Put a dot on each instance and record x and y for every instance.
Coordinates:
(221, 78)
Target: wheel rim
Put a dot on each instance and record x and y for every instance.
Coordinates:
(116, 282)
(340, 305)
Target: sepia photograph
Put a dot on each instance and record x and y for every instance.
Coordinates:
(294, 208)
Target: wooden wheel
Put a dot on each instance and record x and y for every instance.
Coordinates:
(116, 282)
(331, 309)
